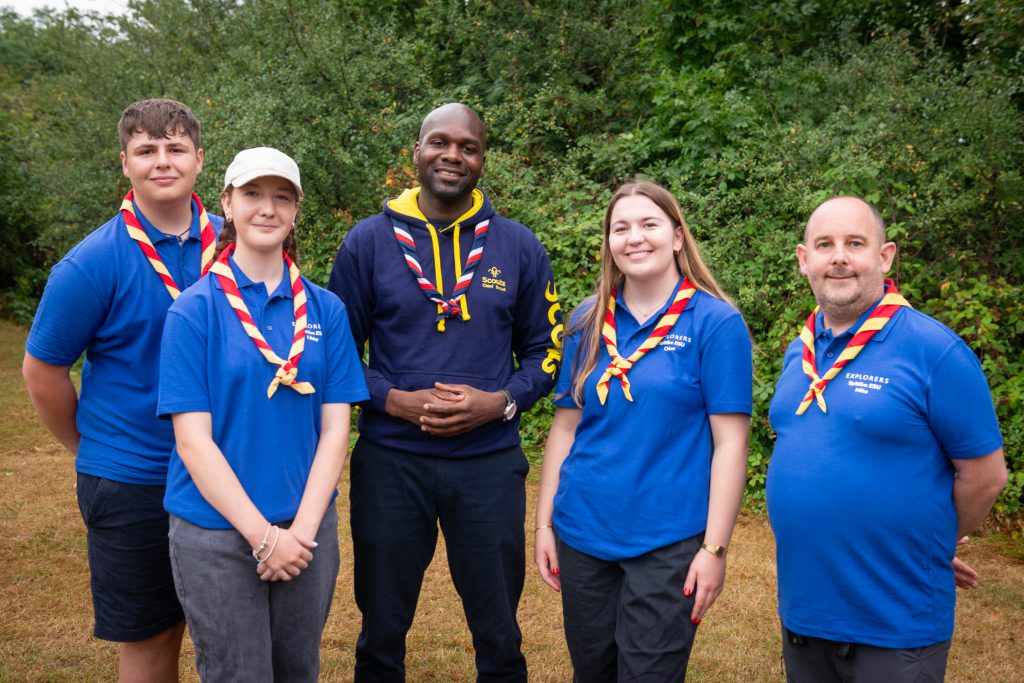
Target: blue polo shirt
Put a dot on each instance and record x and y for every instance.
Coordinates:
(209, 364)
(637, 476)
(860, 498)
(105, 299)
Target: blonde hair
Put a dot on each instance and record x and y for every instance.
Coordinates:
(689, 262)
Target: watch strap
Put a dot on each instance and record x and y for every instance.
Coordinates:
(716, 550)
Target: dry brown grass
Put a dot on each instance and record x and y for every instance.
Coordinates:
(46, 615)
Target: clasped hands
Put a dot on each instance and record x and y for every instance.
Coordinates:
(446, 409)
(291, 554)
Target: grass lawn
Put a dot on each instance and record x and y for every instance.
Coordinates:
(46, 615)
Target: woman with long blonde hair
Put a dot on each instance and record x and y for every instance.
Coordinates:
(645, 463)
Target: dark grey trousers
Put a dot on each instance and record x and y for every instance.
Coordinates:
(628, 620)
(245, 629)
(816, 660)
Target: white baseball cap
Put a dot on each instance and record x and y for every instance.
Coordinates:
(258, 162)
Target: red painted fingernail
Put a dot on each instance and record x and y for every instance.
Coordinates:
(687, 591)
(696, 621)
(555, 571)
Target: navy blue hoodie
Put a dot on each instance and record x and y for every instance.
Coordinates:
(507, 338)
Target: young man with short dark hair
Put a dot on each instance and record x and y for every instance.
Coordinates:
(108, 297)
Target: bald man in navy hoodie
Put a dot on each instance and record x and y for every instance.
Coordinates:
(458, 306)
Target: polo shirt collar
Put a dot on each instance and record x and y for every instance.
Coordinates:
(284, 288)
(155, 235)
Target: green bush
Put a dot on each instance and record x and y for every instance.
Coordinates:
(752, 113)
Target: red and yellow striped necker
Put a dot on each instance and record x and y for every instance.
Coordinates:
(620, 366)
(137, 233)
(883, 312)
(286, 369)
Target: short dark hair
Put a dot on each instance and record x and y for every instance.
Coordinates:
(158, 118)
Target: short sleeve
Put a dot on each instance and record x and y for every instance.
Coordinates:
(726, 368)
(960, 410)
(345, 381)
(183, 372)
(69, 315)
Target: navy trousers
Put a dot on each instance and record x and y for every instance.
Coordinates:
(398, 500)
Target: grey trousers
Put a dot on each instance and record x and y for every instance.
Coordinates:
(245, 629)
(816, 660)
(628, 620)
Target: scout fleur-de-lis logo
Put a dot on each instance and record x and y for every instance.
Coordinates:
(492, 281)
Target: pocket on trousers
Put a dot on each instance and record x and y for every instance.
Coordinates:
(522, 467)
(92, 492)
(357, 462)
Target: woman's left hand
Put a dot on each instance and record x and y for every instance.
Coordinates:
(706, 577)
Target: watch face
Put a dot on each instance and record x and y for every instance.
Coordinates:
(510, 411)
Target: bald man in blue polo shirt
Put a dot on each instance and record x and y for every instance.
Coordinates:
(888, 451)
(108, 298)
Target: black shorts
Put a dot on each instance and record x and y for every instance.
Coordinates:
(133, 594)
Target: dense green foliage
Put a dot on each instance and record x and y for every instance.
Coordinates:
(752, 112)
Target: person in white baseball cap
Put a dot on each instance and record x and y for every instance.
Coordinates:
(257, 162)
(257, 371)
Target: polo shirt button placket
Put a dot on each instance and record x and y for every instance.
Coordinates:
(182, 248)
(266, 313)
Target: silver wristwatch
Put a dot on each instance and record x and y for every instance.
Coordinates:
(510, 405)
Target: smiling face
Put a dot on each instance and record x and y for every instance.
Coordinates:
(642, 240)
(162, 170)
(263, 212)
(449, 157)
(845, 258)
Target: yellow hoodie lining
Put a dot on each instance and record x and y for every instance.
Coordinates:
(407, 204)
